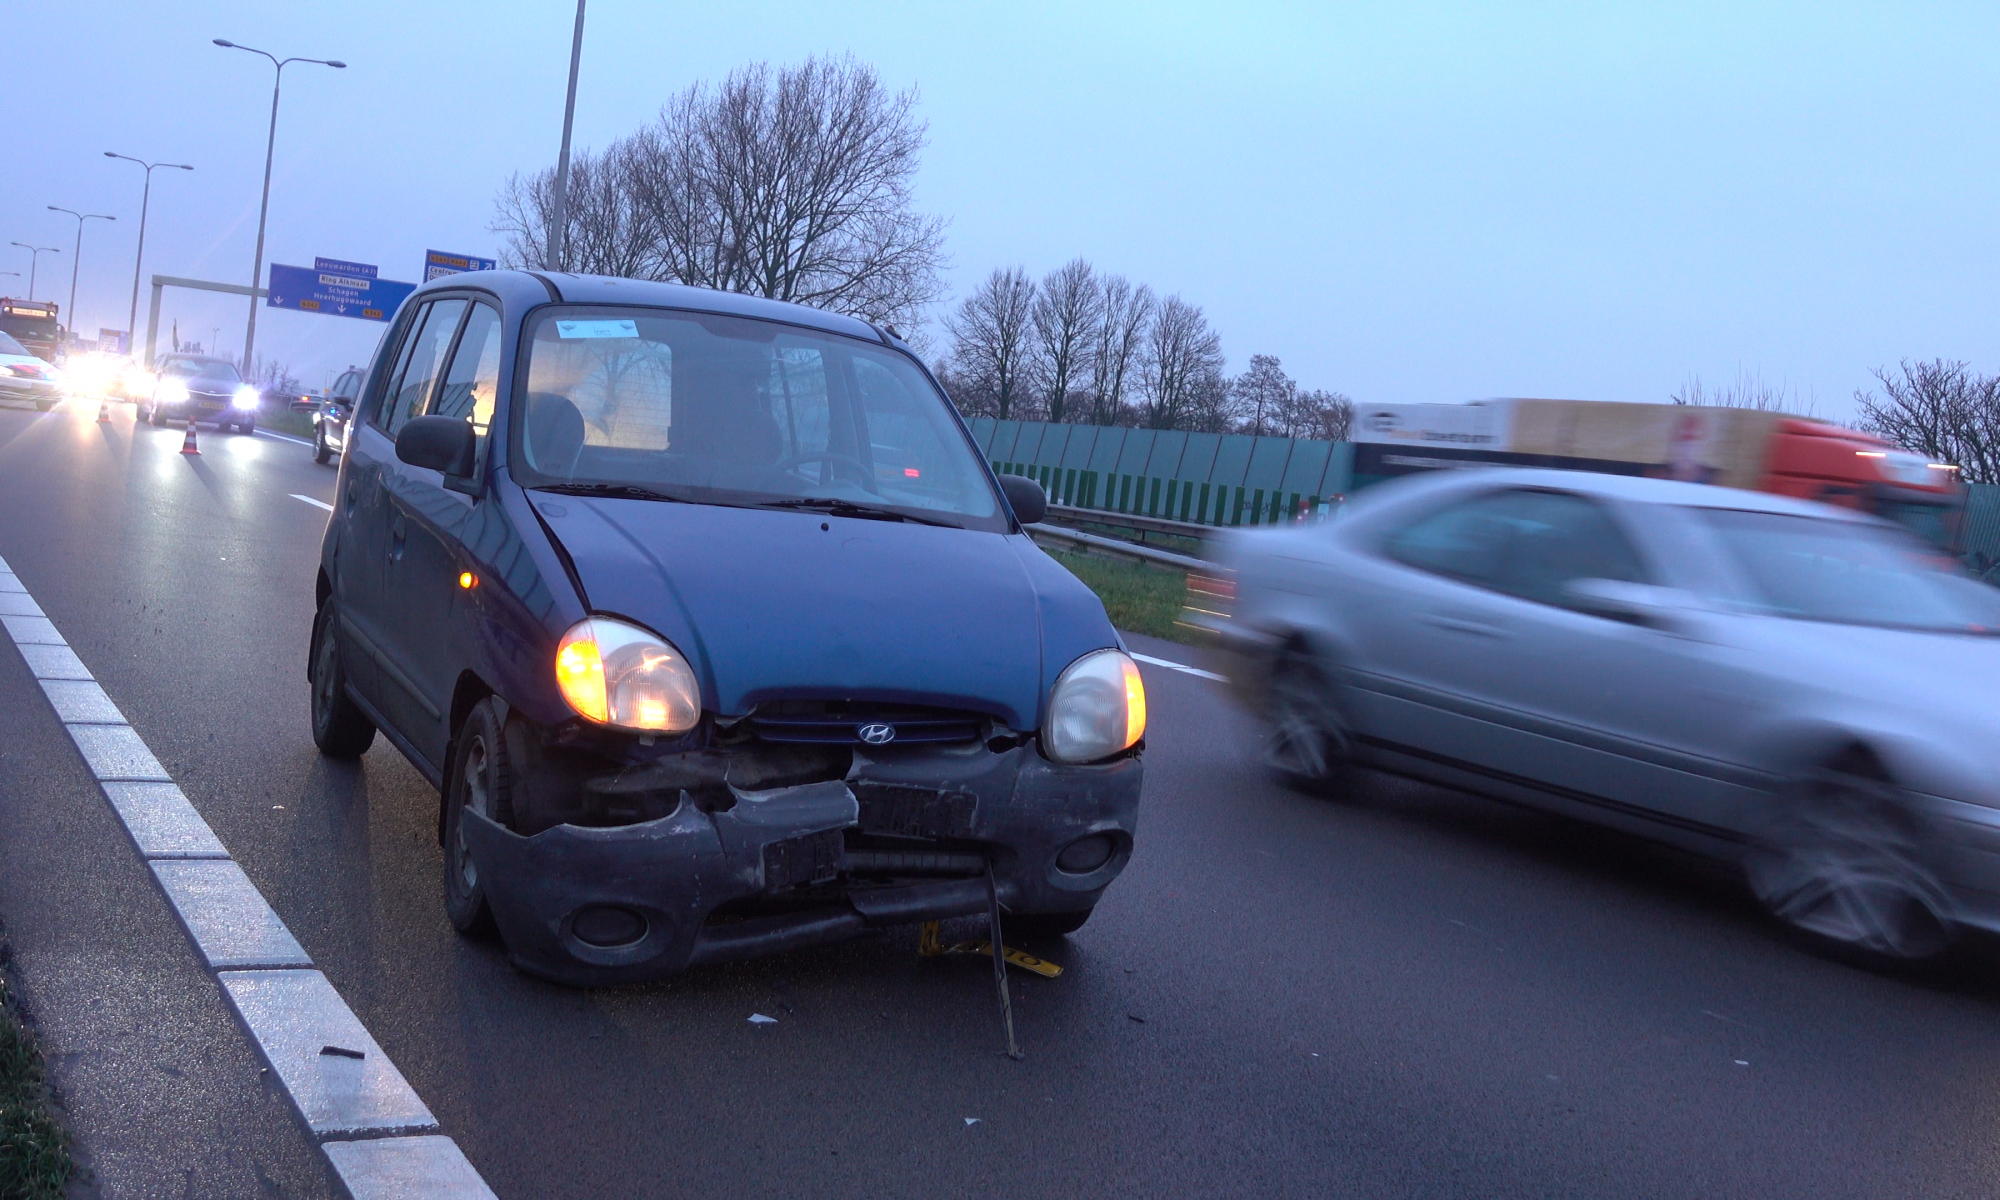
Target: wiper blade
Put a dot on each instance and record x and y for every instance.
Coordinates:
(848, 508)
(616, 491)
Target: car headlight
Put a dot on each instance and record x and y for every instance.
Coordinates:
(137, 381)
(173, 391)
(1096, 709)
(621, 675)
(246, 397)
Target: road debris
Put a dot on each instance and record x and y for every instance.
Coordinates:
(341, 1052)
(761, 1019)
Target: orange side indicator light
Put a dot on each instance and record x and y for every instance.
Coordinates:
(468, 580)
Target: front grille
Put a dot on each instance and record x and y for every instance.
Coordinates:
(914, 862)
(840, 723)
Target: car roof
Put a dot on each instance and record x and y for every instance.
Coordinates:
(1639, 490)
(533, 287)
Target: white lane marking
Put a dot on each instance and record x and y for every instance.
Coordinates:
(226, 915)
(394, 1168)
(298, 1017)
(1181, 667)
(19, 604)
(283, 438)
(315, 503)
(291, 1013)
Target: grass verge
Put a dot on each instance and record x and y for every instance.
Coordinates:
(1137, 597)
(34, 1149)
(297, 424)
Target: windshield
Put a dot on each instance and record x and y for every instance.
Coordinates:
(9, 346)
(213, 370)
(729, 410)
(1849, 572)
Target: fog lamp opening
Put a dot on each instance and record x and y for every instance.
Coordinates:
(607, 926)
(1086, 854)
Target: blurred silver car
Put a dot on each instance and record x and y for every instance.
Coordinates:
(1795, 688)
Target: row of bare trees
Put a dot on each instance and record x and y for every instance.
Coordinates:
(792, 183)
(1091, 348)
(1941, 409)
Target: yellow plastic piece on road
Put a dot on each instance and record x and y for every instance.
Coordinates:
(930, 946)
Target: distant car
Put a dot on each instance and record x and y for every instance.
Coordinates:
(1797, 688)
(330, 416)
(26, 377)
(195, 388)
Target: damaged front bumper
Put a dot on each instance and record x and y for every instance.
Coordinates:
(899, 840)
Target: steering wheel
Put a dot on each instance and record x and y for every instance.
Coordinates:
(831, 458)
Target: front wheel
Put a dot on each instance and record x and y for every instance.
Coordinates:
(340, 729)
(246, 428)
(1307, 743)
(154, 418)
(482, 781)
(321, 451)
(1842, 865)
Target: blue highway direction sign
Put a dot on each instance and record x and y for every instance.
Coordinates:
(438, 263)
(337, 289)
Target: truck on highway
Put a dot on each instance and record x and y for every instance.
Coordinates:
(1735, 447)
(33, 324)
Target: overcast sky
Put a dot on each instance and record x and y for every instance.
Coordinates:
(1405, 202)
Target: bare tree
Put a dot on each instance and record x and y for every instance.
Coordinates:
(608, 234)
(1118, 346)
(1749, 391)
(1065, 322)
(1941, 410)
(1212, 405)
(1328, 416)
(1263, 392)
(1182, 354)
(793, 184)
(992, 333)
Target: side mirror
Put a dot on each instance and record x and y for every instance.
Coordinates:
(445, 444)
(1029, 501)
(1633, 603)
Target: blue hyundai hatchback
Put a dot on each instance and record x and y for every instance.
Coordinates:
(714, 631)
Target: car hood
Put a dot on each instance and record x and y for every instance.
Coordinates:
(772, 605)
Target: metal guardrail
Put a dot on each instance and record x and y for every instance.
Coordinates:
(1133, 521)
(1091, 543)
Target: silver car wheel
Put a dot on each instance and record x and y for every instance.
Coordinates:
(1307, 741)
(1843, 866)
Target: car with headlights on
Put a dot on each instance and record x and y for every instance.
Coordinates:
(197, 388)
(23, 376)
(1797, 689)
(330, 415)
(714, 630)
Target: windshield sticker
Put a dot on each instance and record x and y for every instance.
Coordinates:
(597, 329)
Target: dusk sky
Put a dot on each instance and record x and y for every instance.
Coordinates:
(1405, 202)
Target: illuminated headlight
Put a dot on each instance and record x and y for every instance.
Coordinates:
(621, 675)
(245, 398)
(171, 391)
(137, 381)
(1096, 709)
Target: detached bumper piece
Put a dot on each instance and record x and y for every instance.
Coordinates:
(799, 866)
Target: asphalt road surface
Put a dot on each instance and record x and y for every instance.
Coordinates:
(1406, 992)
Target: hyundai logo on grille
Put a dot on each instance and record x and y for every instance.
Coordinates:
(878, 734)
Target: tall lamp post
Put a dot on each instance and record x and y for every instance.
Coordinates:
(558, 249)
(145, 200)
(76, 259)
(264, 206)
(36, 261)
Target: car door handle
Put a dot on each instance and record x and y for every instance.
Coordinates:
(1465, 625)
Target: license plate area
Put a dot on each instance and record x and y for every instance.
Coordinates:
(807, 859)
(891, 810)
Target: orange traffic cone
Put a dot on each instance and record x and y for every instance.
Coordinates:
(104, 412)
(187, 443)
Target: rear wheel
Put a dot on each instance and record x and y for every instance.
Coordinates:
(1842, 865)
(1307, 743)
(339, 727)
(482, 781)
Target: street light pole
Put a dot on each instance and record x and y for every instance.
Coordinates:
(557, 258)
(264, 206)
(145, 200)
(76, 259)
(34, 262)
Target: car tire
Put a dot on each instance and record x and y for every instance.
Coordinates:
(1842, 865)
(154, 418)
(246, 428)
(482, 778)
(340, 729)
(44, 405)
(321, 451)
(1306, 741)
(1043, 925)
